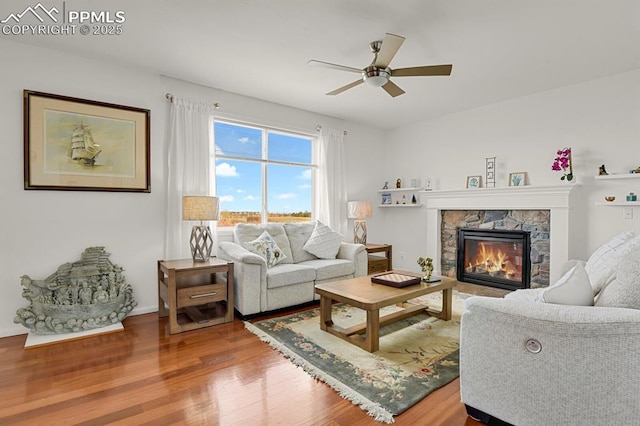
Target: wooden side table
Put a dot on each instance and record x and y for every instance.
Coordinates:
(379, 263)
(197, 294)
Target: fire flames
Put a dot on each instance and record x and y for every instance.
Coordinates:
(491, 260)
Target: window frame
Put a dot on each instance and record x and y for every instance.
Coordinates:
(264, 161)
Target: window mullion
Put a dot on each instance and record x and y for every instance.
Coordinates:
(265, 161)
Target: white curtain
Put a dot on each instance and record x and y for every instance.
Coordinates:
(188, 169)
(331, 196)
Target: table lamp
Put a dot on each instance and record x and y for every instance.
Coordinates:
(200, 208)
(359, 210)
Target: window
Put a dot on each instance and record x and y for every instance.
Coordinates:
(262, 174)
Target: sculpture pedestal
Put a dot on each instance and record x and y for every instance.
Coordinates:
(34, 340)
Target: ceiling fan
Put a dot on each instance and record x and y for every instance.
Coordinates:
(378, 73)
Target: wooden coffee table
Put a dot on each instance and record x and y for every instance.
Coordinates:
(362, 293)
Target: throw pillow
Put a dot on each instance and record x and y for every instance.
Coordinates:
(267, 247)
(624, 290)
(323, 242)
(573, 288)
(603, 262)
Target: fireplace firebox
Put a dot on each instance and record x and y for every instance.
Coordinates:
(494, 257)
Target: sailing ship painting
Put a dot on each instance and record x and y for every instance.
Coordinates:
(83, 148)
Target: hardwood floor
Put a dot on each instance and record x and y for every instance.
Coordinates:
(220, 375)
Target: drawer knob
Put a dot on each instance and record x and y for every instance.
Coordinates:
(198, 296)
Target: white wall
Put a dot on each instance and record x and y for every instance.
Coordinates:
(599, 119)
(39, 230)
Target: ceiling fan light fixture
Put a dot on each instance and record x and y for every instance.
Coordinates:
(375, 76)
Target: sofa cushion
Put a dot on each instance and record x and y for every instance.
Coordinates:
(331, 268)
(624, 290)
(574, 288)
(525, 294)
(323, 242)
(266, 247)
(289, 274)
(602, 264)
(244, 233)
(298, 234)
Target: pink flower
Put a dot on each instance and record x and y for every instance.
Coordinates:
(563, 163)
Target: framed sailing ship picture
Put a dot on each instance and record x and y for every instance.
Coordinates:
(76, 144)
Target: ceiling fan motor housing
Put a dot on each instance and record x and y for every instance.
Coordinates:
(376, 76)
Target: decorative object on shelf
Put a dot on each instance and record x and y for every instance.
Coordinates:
(632, 197)
(428, 185)
(87, 294)
(518, 179)
(200, 208)
(386, 198)
(426, 264)
(602, 171)
(76, 144)
(398, 183)
(360, 211)
(413, 199)
(404, 199)
(635, 170)
(609, 198)
(563, 163)
(386, 184)
(490, 175)
(473, 181)
(415, 182)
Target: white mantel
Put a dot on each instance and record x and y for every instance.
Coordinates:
(559, 199)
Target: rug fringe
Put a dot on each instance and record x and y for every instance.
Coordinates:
(372, 409)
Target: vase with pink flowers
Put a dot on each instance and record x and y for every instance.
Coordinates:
(563, 164)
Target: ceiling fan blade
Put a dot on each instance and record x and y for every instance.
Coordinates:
(422, 71)
(390, 45)
(392, 89)
(347, 87)
(333, 66)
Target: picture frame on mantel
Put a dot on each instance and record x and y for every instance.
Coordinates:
(518, 179)
(73, 144)
(474, 182)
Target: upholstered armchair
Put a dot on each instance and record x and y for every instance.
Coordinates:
(537, 358)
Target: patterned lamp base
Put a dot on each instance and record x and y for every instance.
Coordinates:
(360, 231)
(201, 243)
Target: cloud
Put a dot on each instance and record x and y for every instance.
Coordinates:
(304, 186)
(226, 170)
(286, 195)
(243, 140)
(240, 191)
(305, 174)
(251, 198)
(226, 199)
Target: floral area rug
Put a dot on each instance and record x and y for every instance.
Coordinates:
(417, 355)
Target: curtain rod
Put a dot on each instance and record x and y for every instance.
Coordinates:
(169, 96)
(319, 127)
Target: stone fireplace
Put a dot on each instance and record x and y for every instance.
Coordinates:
(535, 223)
(556, 202)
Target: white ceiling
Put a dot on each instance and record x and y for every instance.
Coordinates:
(500, 49)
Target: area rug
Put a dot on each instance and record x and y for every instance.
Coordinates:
(417, 355)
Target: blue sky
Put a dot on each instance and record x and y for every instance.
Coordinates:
(239, 183)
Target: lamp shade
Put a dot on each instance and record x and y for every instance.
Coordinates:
(359, 209)
(200, 207)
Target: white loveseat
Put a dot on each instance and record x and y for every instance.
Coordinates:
(291, 281)
(536, 357)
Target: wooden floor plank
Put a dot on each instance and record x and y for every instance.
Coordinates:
(219, 375)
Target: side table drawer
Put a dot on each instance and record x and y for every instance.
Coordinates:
(201, 295)
(378, 264)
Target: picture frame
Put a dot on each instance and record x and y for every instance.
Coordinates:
(518, 179)
(386, 198)
(73, 144)
(474, 182)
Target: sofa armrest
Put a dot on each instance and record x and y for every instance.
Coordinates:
(250, 277)
(357, 254)
(584, 373)
(236, 253)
